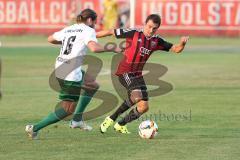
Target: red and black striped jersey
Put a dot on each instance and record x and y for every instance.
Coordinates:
(138, 49)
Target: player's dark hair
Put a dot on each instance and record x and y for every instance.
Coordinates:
(155, 18)
(85, 14)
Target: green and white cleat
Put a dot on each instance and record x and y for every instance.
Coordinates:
(121, 129)
(81, 124)
(29, 130)
(106, 124)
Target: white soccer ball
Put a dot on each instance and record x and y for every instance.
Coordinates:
(148, 129)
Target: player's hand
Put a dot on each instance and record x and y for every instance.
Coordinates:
(178, 48)
(184, 40)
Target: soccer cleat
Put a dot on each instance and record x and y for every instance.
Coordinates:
(81, 124)
(121, 129)
(32, 135)
(106, 124)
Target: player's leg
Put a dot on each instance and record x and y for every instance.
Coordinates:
(69, 95)
(89, 88)
(140, 96)
(128, 103)
(127, 81)
(108, 121)
(135, 113)
(124, 80)
(64, 109)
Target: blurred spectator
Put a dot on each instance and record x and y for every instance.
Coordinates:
(124, 14)
(110, 13)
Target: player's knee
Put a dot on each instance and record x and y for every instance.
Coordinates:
(92, 85)
(96, 85)
(136, 96)
(142, 107)
(68, 106)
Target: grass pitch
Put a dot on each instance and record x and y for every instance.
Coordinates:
(198, 119)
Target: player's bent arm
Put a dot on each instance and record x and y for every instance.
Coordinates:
(105, 33)
(53, 41)
(97, 48)
(178, 48)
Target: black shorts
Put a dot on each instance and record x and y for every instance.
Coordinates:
(132, 82)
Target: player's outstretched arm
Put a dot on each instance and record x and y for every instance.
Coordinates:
(105, 33)
(97, 48)
(178, 48)
(53, 41)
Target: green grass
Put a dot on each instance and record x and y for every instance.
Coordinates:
(206, 91)
(42, 39)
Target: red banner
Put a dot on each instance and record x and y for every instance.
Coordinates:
(39, 16)
(190, 17)
(194, 17)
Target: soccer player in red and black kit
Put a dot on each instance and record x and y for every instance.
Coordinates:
(143, 43)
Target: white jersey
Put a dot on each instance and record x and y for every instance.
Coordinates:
(74, 46)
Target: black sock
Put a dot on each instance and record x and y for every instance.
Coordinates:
(132, 115)
(124, 107)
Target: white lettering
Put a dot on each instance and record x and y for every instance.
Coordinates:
(54, 18)
(64, 12)
(186, 13)
(1, 12)
(153, 7)
(144, 51)
(11, 12)
(33, 13)
(237, 20)
(23, 14)
(214, 17)
(144, 12)
(171, 13)
(42, 13)
(228, 8)
(199, 19)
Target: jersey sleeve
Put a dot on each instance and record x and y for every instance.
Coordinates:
(90, 37)
(124, 33)
(164, 45)
(59, 36)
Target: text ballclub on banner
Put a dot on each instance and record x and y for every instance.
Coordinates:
(38, 16)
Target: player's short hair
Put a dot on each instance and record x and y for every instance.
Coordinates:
(85, 14)
(155, 18)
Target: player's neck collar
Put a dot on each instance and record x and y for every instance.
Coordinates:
(148, 37)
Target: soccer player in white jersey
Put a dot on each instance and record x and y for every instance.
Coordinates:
(75, 40)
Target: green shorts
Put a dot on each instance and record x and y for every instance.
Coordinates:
(70, 90)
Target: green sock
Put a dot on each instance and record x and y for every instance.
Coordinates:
(85, 99)
(53, 117)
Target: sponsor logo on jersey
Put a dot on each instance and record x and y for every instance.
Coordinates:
(144, 51)
(60, 59)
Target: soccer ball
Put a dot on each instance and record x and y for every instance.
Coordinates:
(148, 129)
